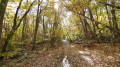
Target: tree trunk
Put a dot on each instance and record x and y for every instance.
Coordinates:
(9, 36)
(88, 28)
(100, 34)
(110, 24)
(44, 30)
(23, 30)
(36, 27)
(91, 16)
(55, 26)
(3, 6)
(115, 25)
(84, 28)
(33, 28)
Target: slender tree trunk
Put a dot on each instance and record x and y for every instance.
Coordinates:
(26, 27)
(36, 27)
(84, 29)
(110, 24)
(33, 28)
(100, 34)
(97, 24)
(9, 36)
(88, 28)
(115, 25)
(44, 31)
(55, 26)
(91, 16)
(53, 34)
(85, 25)
(3, 6)
(5, 28)
(23, 30)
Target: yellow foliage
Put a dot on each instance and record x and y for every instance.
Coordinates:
(52, 2)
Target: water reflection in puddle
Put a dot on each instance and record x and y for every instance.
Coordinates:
(83, 52)
(65, 62)
(72, 46)
(49, 55)
(88, 59)
(65, 42)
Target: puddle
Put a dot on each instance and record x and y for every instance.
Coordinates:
(119, 55)
(83, 52)
(88, 59)
(65, 62)
(86, 49)
(110, 57)
(65, 41)
(72, 46)
(49, 55)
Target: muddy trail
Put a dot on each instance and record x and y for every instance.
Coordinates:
(66, 55)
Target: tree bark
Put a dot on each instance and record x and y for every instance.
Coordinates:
(91, 16)
(54, 39)
(110, 24)
(44, 30)
(3, 6)
(36, 27)
(115, 25)
(84, 29)
(88, 28)
(23, 30)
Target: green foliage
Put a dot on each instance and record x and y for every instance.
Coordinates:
(11, 54)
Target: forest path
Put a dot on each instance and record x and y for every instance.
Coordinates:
(76, 57)
(79, 56)
(66, 55)
(70, 55)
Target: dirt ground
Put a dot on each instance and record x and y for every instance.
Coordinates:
(99, 55)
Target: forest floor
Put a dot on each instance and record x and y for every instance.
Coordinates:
(68, 55)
